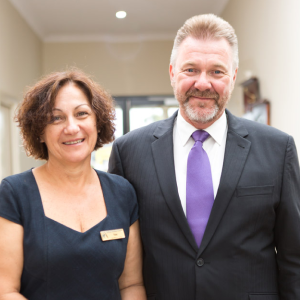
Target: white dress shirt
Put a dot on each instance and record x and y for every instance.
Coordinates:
(214, 146)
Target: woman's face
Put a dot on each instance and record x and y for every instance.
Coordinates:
(72, 136)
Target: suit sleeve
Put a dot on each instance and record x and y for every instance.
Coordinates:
(287, 228)
(115, 164)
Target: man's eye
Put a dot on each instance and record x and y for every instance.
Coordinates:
(217, 72)
(190, 70)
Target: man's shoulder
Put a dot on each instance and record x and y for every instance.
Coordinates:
(263, 129)
(253, 128)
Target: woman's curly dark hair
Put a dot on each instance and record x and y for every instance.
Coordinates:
(35, 111)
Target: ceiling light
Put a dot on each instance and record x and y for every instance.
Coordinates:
(121, 14)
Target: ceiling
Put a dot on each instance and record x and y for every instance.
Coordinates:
(94, 20)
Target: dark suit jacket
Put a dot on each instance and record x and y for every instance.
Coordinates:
(257, 208)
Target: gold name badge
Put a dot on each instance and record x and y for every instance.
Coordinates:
(114, 234)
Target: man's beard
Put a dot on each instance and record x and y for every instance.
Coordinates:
(208, 112)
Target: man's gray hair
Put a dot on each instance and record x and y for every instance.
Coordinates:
(207, 26)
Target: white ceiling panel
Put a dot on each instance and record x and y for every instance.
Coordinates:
(89, 20)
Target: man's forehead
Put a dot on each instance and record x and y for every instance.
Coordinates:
(191, 46)
(204, 42)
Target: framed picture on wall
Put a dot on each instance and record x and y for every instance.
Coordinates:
(256, 108)
(260, 112)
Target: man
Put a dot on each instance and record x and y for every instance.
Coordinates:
(219, 213)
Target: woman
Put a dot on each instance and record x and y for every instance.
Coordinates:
(66, 230)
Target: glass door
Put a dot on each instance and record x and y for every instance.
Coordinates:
(100, 157)
(132, 113)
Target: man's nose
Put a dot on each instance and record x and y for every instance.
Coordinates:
(203, 82)
(72, 126)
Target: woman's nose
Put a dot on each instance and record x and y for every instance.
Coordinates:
(72, 126)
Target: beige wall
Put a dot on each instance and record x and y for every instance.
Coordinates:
(20, 61)
(269, 43)
(269, 40)
(136, 68)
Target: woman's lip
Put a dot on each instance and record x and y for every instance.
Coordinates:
(73, 142)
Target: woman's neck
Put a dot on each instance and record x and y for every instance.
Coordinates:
(66, 175)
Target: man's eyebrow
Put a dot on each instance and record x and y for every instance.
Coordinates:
(192, 64)
(189, 63)
(219, 66)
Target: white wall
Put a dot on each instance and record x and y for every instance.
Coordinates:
(269, 41)
(20, 62)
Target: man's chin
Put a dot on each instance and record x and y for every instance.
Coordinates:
(201, 115)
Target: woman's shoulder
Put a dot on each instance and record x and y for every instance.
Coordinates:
(119, 188)
(19, 180)
(113, 179)
(121, 195)
(15, 190)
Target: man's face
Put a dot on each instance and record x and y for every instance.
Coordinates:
(203, 79)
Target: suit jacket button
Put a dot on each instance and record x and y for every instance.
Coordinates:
(200, 262)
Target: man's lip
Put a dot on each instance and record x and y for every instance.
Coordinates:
(202, 98)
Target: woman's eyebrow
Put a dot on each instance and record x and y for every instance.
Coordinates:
(82, 105)
(55, 108)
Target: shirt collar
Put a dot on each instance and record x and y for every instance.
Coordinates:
(216, 130)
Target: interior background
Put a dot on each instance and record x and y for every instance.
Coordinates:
(269, 45)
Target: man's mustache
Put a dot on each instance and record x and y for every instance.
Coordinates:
(202, 94)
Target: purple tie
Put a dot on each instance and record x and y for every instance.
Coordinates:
(199, 187)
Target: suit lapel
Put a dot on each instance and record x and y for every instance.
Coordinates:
(163, 155)
(236, 152)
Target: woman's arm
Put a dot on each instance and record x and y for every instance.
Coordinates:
(11, 260)
(131, 281)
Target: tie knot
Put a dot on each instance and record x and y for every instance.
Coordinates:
(200, 135)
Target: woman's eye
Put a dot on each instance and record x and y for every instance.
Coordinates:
(82, 113)
(56, 118)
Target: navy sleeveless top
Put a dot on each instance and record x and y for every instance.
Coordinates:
(59, 262)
